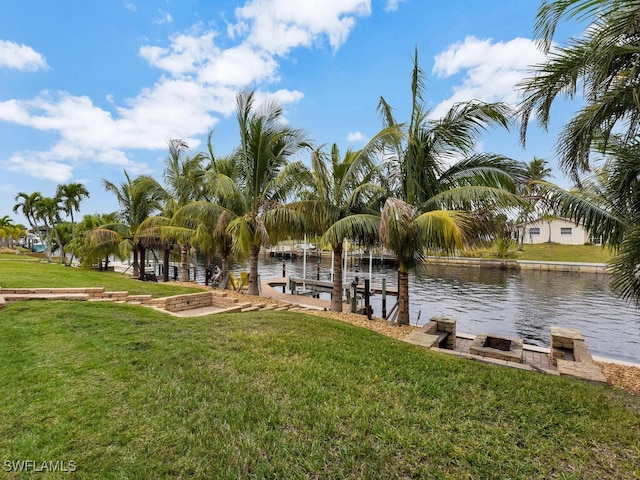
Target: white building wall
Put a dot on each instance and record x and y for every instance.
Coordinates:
(559, 230)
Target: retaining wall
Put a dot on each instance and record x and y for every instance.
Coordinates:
(597, 268)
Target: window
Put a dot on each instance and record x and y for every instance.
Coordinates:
(565, 231)
(534, 231)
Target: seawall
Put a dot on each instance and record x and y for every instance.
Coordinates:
(536, 265)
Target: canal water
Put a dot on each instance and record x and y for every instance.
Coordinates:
(521, 304)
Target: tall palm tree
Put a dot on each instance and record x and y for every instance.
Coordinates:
(223, 189)
(138, 199)
(334, 188)
(601, 64)
(535, 172)
(47, 210)
(70, 195)
(602, 61)
(182, 175)
(26, 204)
(266, 145)
(430, 189)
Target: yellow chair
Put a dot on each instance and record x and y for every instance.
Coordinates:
(236, 283)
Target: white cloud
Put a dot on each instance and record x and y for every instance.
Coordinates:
(392, 5)
(277, 26)
(34, 165)
(20, 57)
(188, 52)
(164, 17)
(200, 81)
(355, 137)
(239, 67)
(490, 70)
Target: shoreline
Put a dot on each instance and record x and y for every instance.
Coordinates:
(521, 265)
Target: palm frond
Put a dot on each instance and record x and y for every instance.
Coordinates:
(362, 228)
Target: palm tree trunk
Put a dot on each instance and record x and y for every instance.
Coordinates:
(184, 265)
(60, 246)
(165, 265)
(524, 232)
(142, 259)
(224, 260)
(336, 294)
(254, 254)
(403, 296)
(136, 264)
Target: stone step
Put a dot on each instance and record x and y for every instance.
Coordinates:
(18, 297)
(250, 309)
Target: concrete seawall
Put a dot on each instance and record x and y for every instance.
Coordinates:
(595, 268)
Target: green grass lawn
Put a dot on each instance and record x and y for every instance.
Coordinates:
(20, 271)
(549, 252)
(554, 252)
(128, 392)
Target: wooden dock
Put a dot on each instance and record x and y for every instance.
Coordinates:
(324, 286)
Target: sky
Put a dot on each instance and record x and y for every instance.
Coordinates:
(90, 89)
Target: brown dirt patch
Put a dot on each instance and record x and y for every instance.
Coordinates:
(624, 377)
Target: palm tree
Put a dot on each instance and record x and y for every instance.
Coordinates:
(535, 172)
(431, 189)
(183, 176)
(47, 211)
(138, 199)
(70, 195)
(184, 179)
(335, 188)
(26, 203)
(601, 64)
(9, 230)
(266, 144)
(227, 201)
(603, 61)
(78, 245)
(403, 230)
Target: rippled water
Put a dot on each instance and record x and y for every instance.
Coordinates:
(508, 303)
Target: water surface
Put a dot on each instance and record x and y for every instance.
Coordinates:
(521, 304)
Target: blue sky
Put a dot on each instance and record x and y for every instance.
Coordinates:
(89, 89)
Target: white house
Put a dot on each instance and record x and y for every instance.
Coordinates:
(558, 230)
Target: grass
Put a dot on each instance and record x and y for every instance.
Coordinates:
(554, 252)
(549, 252)
(128, 392)
(20, 271)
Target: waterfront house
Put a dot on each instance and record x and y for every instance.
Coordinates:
(556, 230)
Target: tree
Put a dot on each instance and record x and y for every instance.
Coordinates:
(335, 188)
(603, 61)
(70, 195)
(79, 245)
(10, 231)
(26, 204)
(183, 176)
(535, 172)
(601, 64)
(138, 199)
(430, 190)
(266, 145)
(47, 211)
